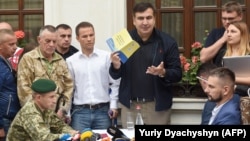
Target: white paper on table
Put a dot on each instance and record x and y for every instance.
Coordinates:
(129, 133)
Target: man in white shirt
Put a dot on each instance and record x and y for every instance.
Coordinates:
(92, 98)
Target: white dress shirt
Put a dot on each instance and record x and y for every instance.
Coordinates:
(91, 78)
(215, 111)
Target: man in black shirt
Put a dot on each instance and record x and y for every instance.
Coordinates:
(64, 38)
(146, 77)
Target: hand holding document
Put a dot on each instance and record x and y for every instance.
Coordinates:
(122, 43)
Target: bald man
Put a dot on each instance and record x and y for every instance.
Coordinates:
(15, 58)
(9, 103)
(5, 25)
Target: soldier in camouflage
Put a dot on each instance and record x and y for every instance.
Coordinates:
(44, 62)
(37, 121)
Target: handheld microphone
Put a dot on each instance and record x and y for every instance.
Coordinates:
(114, 121)
(116, 133)
(88, 135)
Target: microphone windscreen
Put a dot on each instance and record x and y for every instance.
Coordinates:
(96, 136)
(113, 131)
(116, 132)
(86, 135)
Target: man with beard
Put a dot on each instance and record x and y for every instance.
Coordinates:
(220, 89)
(202, 73)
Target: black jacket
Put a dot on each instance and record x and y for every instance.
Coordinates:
(166, 50)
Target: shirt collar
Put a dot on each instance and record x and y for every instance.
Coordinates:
(150, 39)
(94, 53)
(55, 56)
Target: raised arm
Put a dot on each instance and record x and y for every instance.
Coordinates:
(208, 53)
(243, 80)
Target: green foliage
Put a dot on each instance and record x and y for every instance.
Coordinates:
(21, 43)
(191, 65)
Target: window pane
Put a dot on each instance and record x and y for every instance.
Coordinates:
(33, 4)
(242, 2)
(32, 25)
(8, 4)
(172, 24)
(11, 19)
(205, 3)
(151, 1)
(204, 21)
(171, 3)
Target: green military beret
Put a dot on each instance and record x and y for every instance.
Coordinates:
(43, 86)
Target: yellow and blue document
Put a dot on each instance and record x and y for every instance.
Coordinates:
(122, 43)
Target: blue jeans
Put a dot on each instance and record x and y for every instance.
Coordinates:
(82, 118)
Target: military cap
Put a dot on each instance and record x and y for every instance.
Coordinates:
(43, 86)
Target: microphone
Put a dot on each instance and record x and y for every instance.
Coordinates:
(88, 135)
(117, 133)
(65, 137)
(68, 137)
(114, 121)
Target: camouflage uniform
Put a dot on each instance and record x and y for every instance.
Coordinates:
(31, 124)
(34, 65)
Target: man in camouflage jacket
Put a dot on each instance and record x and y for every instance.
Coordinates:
(37, 121)
(44, 62)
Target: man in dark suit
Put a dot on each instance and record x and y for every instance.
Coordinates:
(220, 89)
(202, 73)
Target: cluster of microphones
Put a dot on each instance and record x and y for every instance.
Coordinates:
(117, 134)
(88, 135)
